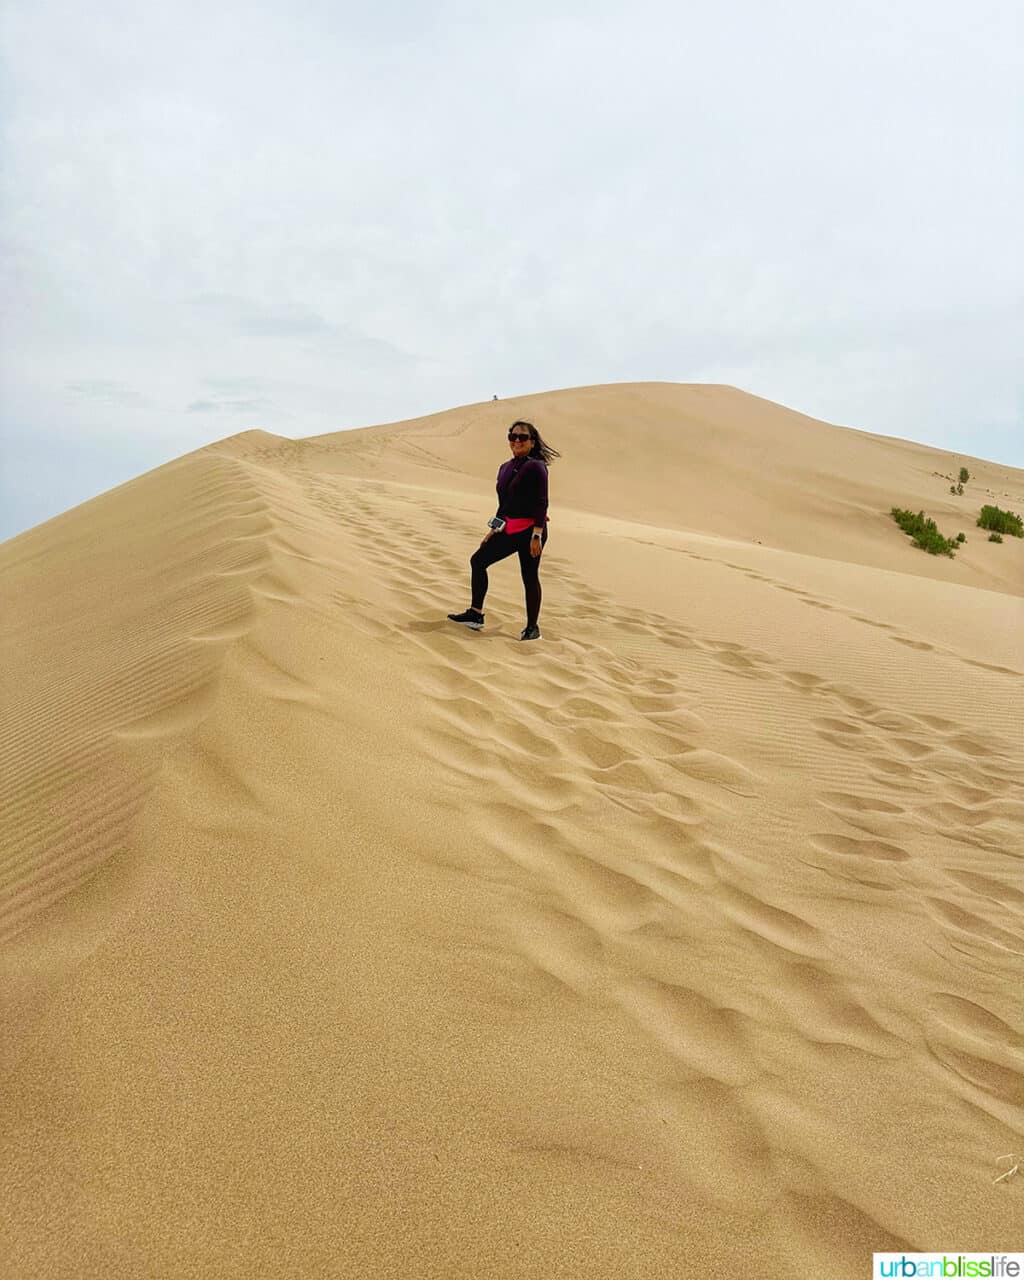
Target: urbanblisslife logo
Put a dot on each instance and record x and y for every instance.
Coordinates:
(948, 1266)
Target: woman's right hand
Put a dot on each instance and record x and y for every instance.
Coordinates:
(488, 536)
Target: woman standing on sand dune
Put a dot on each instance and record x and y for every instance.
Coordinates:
(520, 525)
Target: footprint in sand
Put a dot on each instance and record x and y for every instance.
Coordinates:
(849, 847)
(861, 705)
(890, 722)
(832, 725)
(912, 748)
(965, 745)
(938, 722)
(739, 664)
(998, 891)
(846, 801)
(968, 1017)
(949, 816)
(804, 680)
(969, 795)
(952, 913)
(872, 622)
(891, 773)
(774, 924)
(983, 1073)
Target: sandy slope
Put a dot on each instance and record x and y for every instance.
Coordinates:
(340, 941)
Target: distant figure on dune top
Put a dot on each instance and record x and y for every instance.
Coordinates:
(520, 526)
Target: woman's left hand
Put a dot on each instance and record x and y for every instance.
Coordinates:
(536, 547)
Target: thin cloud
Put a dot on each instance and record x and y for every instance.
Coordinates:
(266, 320)
(230, 406)
(107, 391)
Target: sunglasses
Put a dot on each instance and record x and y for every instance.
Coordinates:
(513, 435)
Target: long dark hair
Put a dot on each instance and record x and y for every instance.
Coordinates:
(539, 448)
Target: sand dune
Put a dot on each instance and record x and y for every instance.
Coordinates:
(335, 940)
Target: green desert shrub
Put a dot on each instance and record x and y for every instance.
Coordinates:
(961, 537)
(965, 475)
(924, 532)
(1001, 521)
(995, 537)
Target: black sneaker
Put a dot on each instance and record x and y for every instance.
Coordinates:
(468, 619)
(531, 633)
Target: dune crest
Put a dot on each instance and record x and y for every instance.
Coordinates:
(337, 940)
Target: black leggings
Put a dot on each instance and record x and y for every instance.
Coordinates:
(498, 548)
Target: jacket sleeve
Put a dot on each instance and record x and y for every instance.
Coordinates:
(540, 508)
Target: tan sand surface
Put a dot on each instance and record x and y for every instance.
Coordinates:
(338, 940)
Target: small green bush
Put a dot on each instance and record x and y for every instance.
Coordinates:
(1001, 521)
(961, 537)
(924, 532)
(995, 537)
(965, 475)
(952, 488)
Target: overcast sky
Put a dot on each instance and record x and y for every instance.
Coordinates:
(320, 214)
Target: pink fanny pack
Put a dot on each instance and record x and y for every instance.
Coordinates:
(518, 524)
